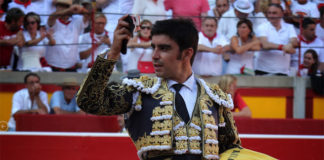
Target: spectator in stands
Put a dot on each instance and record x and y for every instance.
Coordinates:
(278, 40)
(140, 51)
(228, 84)
(308, 40)
(29, 100)
(260, 10)
(304, 8)
(211, 46)
(99, 38)
(222, 6)
(31, 56)
(10, 35)
(111, 8)
(188, 8)
(37, 6)
(67, 28)
(244, 44)
(154, 9)
(226, 26)
(320, 26)
(3, 9)
(310, 63)
(64, 102)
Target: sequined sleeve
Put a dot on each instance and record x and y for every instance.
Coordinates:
(96, 96)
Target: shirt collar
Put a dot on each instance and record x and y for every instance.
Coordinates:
(65, 22)
(189, 83)
(210, 38)
(25, 4)
(302, 39)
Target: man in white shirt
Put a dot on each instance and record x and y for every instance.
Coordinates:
(304, 8)
(100, 38)
(67, 28)
(227, 24)
(211, 46)
(220, 8)
(308, 40)
(29, 100)
(278, 40)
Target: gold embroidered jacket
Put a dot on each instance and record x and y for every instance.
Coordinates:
(153, 124)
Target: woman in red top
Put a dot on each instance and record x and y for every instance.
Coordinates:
(228, 84)
(140, 51)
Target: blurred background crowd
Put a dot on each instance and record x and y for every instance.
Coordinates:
(252, 37)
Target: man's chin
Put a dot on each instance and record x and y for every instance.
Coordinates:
(159, 74)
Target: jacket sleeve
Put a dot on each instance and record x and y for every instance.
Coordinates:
(96, 96)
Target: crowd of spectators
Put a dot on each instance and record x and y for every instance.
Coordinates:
(256, 37)
(251, 37)
(32, 100)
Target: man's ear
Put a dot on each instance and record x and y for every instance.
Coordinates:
(187, 54)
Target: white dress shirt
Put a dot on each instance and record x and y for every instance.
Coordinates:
(188, 92)
(21, 101)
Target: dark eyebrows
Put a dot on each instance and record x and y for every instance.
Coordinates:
(164, 46)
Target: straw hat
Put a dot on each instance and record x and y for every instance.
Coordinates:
(70, 81)
(243, 6)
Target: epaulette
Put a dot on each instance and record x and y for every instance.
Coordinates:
(145, 84)
(217, 95)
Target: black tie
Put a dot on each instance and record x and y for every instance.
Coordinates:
(180, 103)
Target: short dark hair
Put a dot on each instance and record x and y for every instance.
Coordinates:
(14, 14)
(182, 31)
(210, 18)
(248, 23)
(33, 15)
(30, 74)
(307, 21)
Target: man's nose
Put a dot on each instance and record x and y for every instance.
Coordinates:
(155, 54)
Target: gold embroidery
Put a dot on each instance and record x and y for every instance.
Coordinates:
(209, 119)
(196, 120)
(156, 112)
(156, 126)
(166, 110)
(181, 132)
(209, 134)
(193, 132)
(195, 144)
(166, 125)
(181, 145)
(165, 140)
(176, 120)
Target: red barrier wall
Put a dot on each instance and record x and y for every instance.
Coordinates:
(74, 146)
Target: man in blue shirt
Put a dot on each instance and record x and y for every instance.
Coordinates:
(64, 102)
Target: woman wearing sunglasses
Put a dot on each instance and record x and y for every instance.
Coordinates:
(139, 55)
(32, 53)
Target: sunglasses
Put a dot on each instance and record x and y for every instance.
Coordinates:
(32, 23)
(145, 27)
